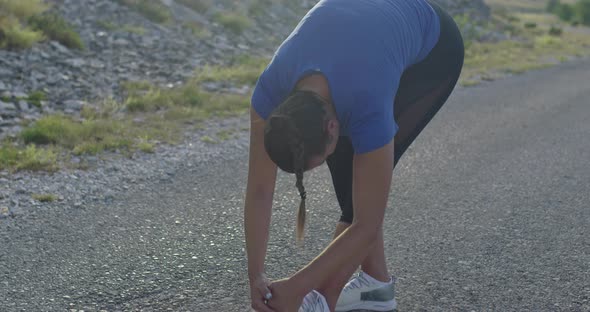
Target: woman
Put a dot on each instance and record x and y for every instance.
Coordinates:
(353, 86)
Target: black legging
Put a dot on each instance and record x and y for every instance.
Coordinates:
(424, 87)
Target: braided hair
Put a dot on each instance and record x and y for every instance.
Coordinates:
(294, 132)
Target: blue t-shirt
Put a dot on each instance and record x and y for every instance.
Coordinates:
(362, 48)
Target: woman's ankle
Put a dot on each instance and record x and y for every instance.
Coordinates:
(380, 275)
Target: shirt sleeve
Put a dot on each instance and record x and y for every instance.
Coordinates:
(271, 87)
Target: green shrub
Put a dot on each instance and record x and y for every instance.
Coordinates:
(85, 137)
(8, 156)
(107, 25)
(15, 33)
(145, 146)
(555, 31)
(257, 7)
(29, 158)
(133, 29)
(22, 9)
(235, 22)
(197, 29)
(56, 28)
(154, 10)
(50, 130)
(15, 36)
(552, 6)
(565, 12)
(200, 6)
(582, 12)
(44, 198)
(37, 159)
(143, 97)
(530, 25)
(36, 97)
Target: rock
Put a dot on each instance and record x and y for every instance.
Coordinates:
(24, 106)
(5, 212)
(19, 95)
(77, 62)
(74, 105)
(38, 75)
(121, 42)
(6, 107)
(5, 72)
(5, 124)
(59, 47)
(96, 64)
(2, 86)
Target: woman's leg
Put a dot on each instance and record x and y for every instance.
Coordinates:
(423, 89)
(340, 165)
(426, 86)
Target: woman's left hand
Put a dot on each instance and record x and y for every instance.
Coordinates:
(285, 296)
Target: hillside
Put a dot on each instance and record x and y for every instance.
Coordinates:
(161, 42)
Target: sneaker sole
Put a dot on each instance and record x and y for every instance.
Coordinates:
(381, 306)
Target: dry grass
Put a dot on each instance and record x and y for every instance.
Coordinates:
(531, 47)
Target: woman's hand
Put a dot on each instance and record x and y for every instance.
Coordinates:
(259, 293)
(285, 296)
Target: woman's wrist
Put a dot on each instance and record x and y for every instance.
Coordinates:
(252, 275)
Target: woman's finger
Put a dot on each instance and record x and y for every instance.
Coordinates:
(264, 290)
(266, 293)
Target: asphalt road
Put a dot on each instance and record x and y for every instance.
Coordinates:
(489, 212)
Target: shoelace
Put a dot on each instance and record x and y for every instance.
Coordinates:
(357, 282)
(310, 303)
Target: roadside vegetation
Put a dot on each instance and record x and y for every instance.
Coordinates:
(233, 21)
(26, 22)
(575, 13)
(200, 6)
(535, 39)
(154, 10)
(149, 115)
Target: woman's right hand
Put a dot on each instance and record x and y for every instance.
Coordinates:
(259, 293)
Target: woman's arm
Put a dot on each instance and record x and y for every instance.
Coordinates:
(372, 174)
(262, 174)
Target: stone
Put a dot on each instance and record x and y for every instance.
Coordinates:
(74, 105)
(6, 107)
(19, 95)
(6, 123)
(5, 212)
(77, 62)
(2, 86)
(59, 47)
(121, 42)
(39, 76)
(96, 64)
(6, 72)
(24, 106)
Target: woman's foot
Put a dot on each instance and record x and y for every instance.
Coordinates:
(363, 292)
(314, 302)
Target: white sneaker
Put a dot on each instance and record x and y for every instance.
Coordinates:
(363, 292)
(314, 302)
